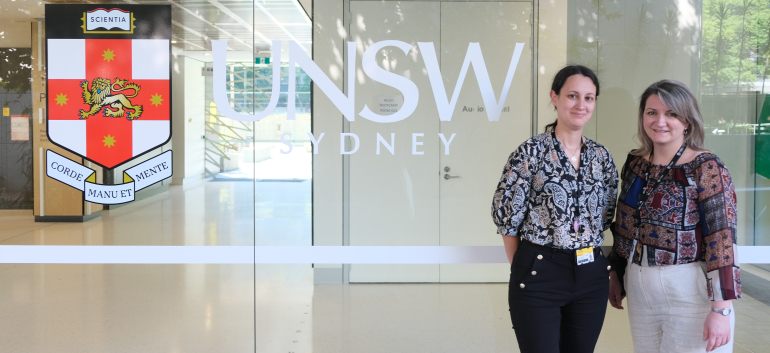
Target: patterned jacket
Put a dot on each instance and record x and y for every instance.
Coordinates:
(691, 216)
(536, 194)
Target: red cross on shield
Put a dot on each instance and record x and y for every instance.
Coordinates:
(109, 100)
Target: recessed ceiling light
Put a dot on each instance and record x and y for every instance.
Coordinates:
(173, 42)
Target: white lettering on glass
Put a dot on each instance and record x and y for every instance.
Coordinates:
(472, 56)
(408, 88)
(446, 143)
(219, 47)
(286, 142)
(416, 143)
(315, 142)
(493, 106)
(298, 56)
(348, 138)
(390, 147)
(342, 143)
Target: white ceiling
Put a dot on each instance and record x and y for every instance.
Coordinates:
(243, 23)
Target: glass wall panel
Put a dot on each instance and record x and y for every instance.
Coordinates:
(734, 105)
(124, 276)
(385, 179)
(733, 91)
(332, 194)
(717, 48)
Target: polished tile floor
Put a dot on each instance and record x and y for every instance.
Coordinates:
(243, 308)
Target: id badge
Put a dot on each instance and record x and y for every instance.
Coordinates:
(636, 253)
(585, 255)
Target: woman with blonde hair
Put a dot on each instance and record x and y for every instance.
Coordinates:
(675, 255)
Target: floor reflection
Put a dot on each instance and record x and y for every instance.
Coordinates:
(213, 213)
(233, 308)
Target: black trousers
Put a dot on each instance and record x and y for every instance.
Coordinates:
(556, 305)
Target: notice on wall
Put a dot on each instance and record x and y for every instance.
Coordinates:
(388, 104)
(6, 111)
(20, 128)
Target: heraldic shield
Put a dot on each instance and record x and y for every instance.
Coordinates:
(108, 95)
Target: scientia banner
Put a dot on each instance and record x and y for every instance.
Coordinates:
(109, 94)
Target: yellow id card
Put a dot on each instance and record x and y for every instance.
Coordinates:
(585, 255)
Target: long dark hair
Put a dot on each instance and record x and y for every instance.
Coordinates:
(561, 78)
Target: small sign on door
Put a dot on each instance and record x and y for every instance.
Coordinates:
(388, 104)
(19, 127)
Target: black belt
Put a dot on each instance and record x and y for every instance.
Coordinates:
(526, 244)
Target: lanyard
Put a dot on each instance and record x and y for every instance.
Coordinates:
(577, 227)
(644, 196)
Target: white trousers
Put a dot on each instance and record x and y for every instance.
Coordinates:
(667, 307)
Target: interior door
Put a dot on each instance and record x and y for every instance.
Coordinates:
(481, 147)
(402, 198)
(394, 198)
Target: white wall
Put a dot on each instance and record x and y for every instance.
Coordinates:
(187, 120)
(551, 55)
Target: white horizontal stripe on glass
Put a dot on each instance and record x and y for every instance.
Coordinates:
(98, 254)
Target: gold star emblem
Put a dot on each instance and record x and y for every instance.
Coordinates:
(61, 99)
(156, 100)
(108, 55)
(109, 141)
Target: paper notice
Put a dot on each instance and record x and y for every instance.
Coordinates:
(20, 128)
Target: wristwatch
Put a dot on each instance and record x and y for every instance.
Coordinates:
(724, 312)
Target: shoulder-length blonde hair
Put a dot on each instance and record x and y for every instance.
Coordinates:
(677, 97)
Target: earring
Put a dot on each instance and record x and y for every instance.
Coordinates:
(685, 131)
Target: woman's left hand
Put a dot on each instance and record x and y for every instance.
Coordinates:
(616, 299)
(716, 330)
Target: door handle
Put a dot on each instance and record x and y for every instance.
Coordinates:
(447, 176)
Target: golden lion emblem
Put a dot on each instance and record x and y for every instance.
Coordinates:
(101, 97)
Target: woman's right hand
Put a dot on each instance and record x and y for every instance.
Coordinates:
(616, 298)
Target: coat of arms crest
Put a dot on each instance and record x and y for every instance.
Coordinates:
(109, 92)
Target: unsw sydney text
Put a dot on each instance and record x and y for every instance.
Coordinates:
(354, 142)
(344, 101)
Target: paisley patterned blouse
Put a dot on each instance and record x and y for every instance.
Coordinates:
(691, 216)
(535, 199)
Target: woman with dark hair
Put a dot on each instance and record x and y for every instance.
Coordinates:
(554, 201)
(675, 232)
